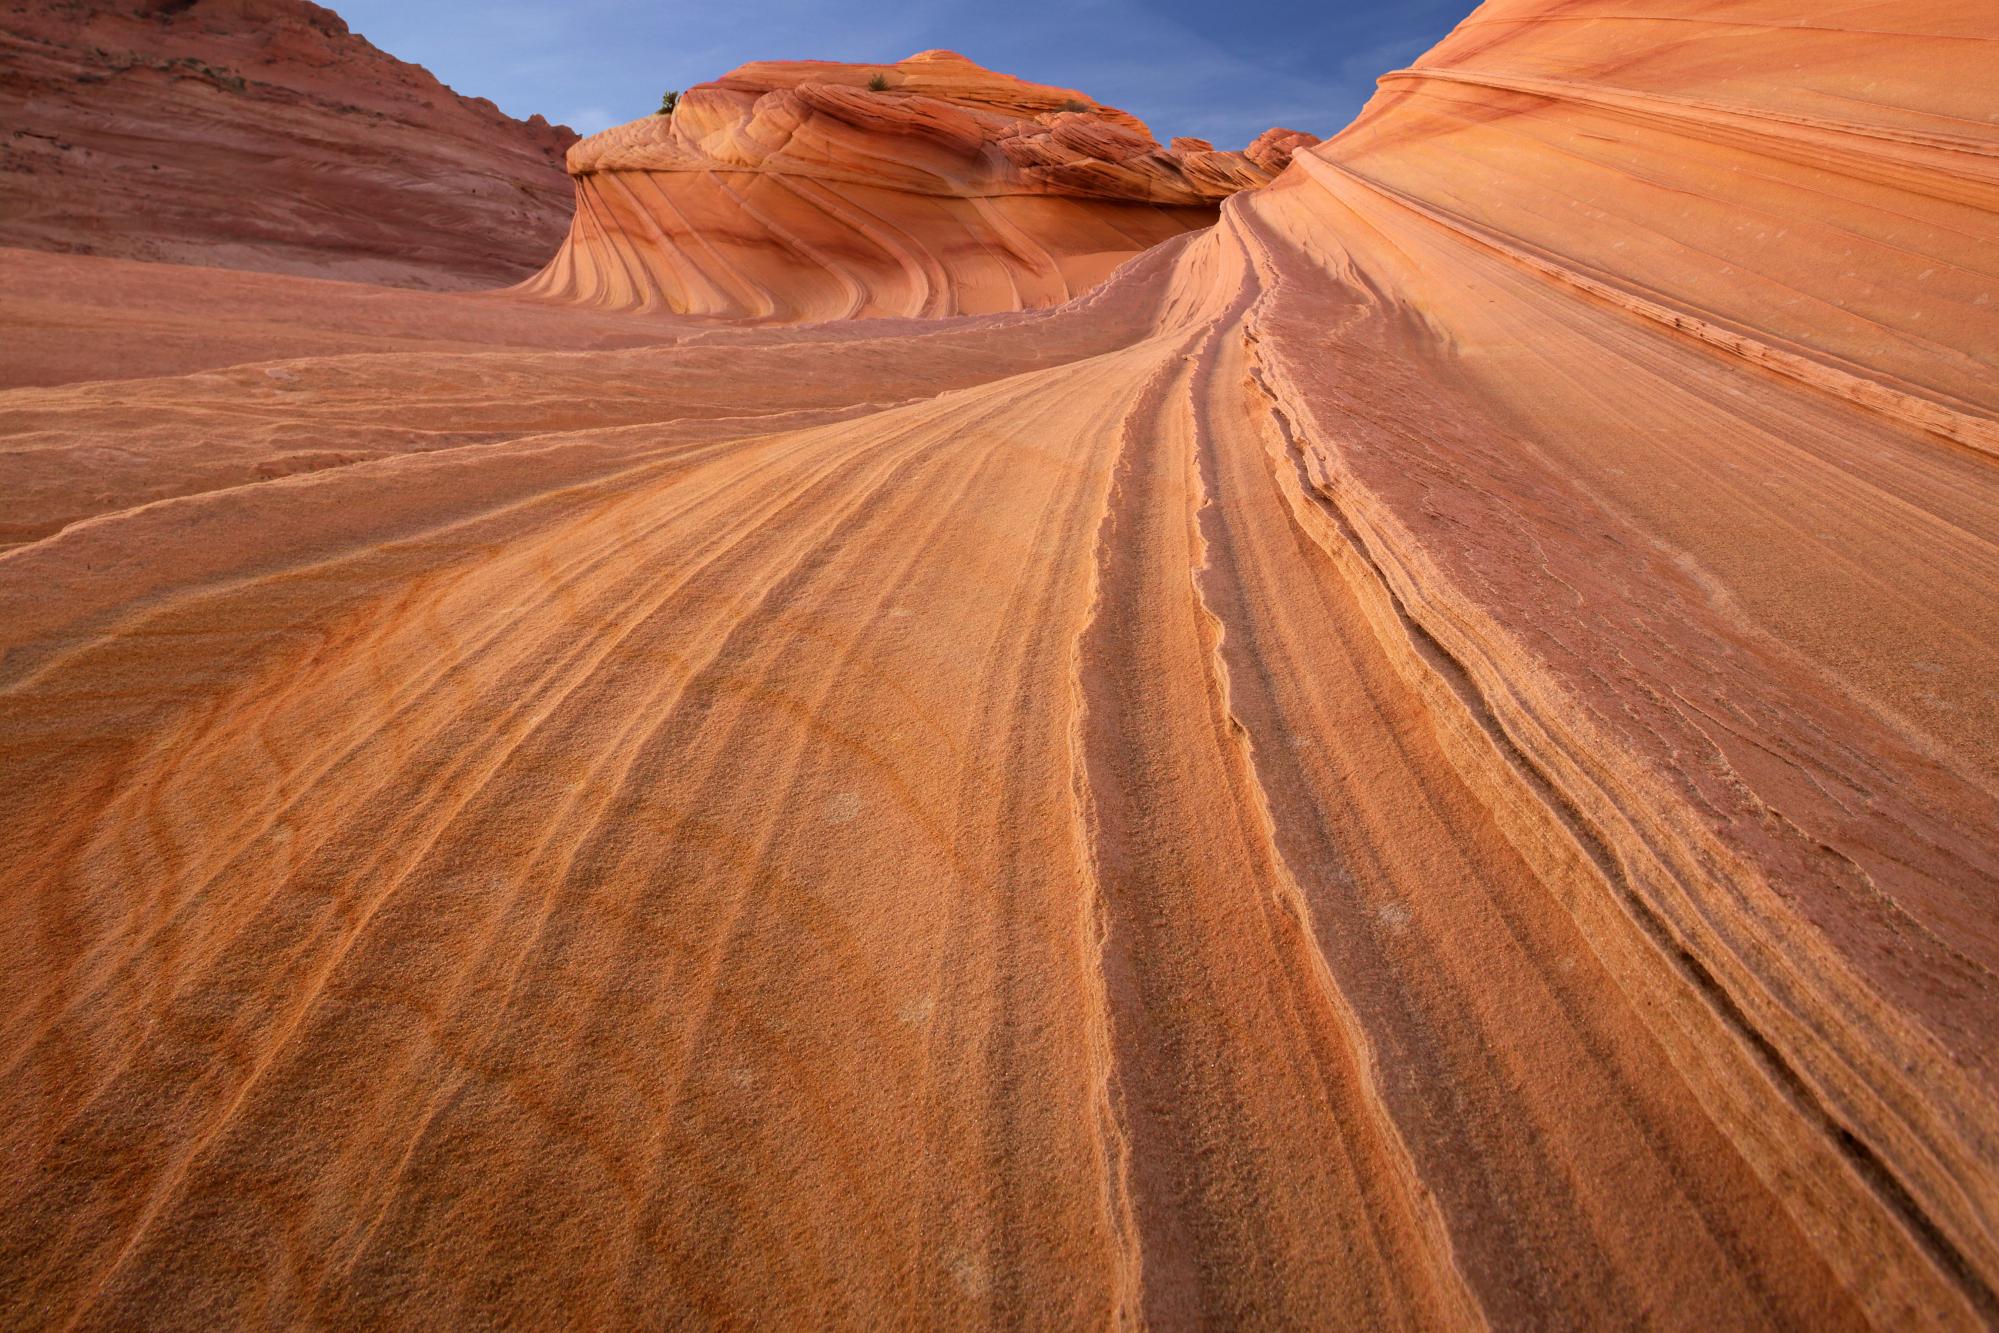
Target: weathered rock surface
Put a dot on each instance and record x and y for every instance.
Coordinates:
(1424, 757)
(1645, 357)
(796, 191)
(262, 134)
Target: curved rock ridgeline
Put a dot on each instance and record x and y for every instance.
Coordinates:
(1726, 279)
(796, 191)
(1422, 757)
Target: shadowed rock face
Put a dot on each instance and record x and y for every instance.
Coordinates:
(795, 190)
(1422, 757)
(262, 134)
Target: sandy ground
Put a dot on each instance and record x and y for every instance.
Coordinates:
(1387, 767)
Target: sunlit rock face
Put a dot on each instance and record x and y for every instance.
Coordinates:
(1815, 194)
(1425, 756)
(1648, 355)
(262, 134)
(796, 190)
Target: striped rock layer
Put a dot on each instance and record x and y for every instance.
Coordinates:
(796, 191)
(1424, 757)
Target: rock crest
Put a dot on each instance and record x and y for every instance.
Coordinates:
(795, 190)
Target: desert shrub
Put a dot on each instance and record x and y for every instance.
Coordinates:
(1073, 105)
(667, 101)
(878, 83)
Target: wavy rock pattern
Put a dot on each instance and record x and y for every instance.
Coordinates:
(262, 134)
(1423, 757)
(796, 191)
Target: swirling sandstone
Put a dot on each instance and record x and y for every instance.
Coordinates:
(797, 191)
(1422, 757)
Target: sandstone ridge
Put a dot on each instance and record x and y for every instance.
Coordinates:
(1424, 756)
(801, 190)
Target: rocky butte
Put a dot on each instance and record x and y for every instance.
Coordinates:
(1403, 738)
(812, 190)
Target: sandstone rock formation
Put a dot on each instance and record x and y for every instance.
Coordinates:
(798, 191)
(1643, 364)
(1423, 757)
(262, 134)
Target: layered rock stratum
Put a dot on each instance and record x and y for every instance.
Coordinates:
(810, 190)
(262, 134)
(1424, 756)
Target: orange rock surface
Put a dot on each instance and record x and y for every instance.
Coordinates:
(262, 134)
(1425, 756)
(799, 191)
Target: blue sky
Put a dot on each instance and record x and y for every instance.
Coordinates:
(1204, 67)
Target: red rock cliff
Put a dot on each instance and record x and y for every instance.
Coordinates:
(262, 134)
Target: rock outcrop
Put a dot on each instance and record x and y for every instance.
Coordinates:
(262, 134)
(1425, 756)
(802, 190)
(1642, 362)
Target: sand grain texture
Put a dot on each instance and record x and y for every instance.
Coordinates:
(1424, 756)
